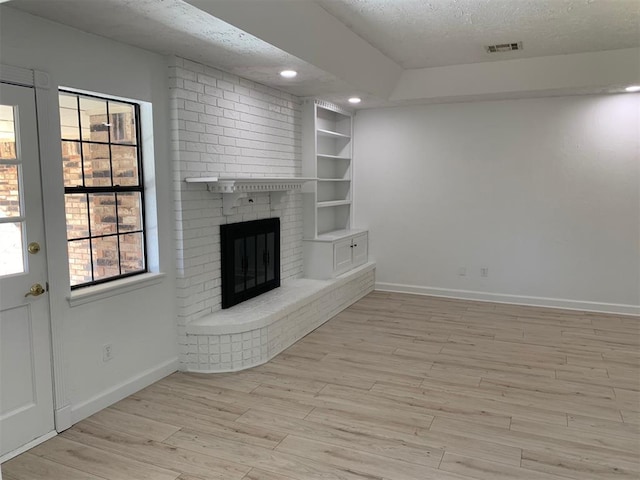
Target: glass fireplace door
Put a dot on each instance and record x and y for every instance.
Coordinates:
(250, 259)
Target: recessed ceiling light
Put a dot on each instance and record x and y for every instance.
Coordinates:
(288, 73)
(633, 88)
(355, 100)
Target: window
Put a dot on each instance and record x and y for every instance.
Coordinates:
(104, 191)
(11, 210)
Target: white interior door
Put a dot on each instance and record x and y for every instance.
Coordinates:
(26, 392)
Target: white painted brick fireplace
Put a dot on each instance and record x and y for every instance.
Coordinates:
(224, 125)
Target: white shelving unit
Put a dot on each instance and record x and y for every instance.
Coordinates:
(326, 146)
(327, 156)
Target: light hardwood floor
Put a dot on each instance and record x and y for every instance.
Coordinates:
(396, 387)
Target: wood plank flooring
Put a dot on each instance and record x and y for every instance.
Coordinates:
(396, 387)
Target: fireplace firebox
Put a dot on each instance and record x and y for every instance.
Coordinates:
(250, 259)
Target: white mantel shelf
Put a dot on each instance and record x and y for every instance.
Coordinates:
(235, 189)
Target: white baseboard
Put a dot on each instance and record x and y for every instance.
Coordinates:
(63, 418)
(117, 393)
(614, 308)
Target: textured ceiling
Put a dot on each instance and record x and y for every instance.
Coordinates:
(431, 33)
(412, 33)
(175, 27)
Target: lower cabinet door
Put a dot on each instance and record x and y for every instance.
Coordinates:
(360, 250)
(342, 256)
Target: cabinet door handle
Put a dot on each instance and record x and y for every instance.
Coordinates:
(355, 244)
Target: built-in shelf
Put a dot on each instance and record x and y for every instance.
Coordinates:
(330, 247)
(334, 203)
(338, 235)
(253, 184)
(235, 189)
(331, 134)
(327, 154)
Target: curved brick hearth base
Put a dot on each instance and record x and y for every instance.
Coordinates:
(255, 331)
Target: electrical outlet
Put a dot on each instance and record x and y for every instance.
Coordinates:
(107, 353)
(462, 271)
(484, 271)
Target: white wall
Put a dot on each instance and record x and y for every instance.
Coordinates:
(543, 192)
(140, 324)
(589, 72)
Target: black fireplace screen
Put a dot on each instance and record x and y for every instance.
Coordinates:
(250, 259)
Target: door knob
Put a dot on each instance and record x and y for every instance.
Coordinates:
(33, 248)
(35, 290)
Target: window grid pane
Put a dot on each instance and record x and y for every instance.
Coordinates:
(132, 252)
(129, 212)
(105, 257)
(69, 120)
(96, 165)
(11, 248)
(72, 164)
(103, 188)
(10, 191)
(93, 119)
(80, 271)
(102, 212)
(124, 160)
(11, 220)
(7, 133)
(122, 120)
(77, 215)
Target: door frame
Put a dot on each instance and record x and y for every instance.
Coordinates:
(53, 207)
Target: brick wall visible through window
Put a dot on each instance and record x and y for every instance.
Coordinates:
(104, 194)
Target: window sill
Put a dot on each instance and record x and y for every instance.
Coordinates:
(117, 287)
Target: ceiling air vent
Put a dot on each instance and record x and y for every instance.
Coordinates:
(503, 47)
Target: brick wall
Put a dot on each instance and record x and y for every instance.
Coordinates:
(251, 347)
(224, 125)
